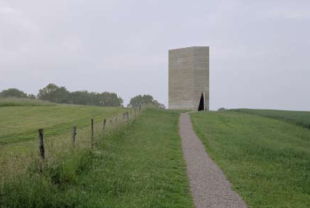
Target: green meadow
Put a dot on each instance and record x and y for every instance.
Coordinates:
(20, 121)
(23, 102)
(267, 160)
(139, 163)
(301, 118)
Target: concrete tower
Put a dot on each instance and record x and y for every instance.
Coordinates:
(189, 78)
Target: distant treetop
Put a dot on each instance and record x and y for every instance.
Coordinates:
(13, 92)
(144, 100)
(56, 94)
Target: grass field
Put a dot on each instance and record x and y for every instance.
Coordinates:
(267, 160)
(301, 118)
(20, 123)
(23, 102)
(139, 165)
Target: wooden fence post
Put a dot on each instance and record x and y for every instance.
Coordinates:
(103, 126)
(104, 123)
(42, 151)
(73, 135)
(41, 137)
(123, 118)
(111, 122)
(92, 133)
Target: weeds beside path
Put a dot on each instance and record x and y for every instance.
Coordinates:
(141, 167)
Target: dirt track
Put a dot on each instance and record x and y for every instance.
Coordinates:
(209, 186)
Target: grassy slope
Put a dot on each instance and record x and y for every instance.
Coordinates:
(140, 166)
(301, 118)
(23, 102)
(20, 123)
(267, 160)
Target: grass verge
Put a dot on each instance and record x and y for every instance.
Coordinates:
(267, 160)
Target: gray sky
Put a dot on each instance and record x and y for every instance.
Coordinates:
(259, 50)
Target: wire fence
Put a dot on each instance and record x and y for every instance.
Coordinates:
(44, 151)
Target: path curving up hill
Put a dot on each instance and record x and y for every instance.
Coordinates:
(209, 186)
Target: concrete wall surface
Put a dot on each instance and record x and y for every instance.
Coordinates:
(188, 77)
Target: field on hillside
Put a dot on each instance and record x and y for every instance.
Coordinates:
(267, 160)
(21, 123)
(301, 118)
(137, 165)
(23, 102)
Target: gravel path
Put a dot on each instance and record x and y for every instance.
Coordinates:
(209, 186)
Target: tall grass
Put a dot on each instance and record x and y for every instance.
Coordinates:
(21, 182)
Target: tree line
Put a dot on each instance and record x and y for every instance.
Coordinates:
(56, 94)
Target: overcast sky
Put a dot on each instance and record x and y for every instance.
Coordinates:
(259, 50)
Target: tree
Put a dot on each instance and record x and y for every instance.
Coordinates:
(159, 105)
(144, 100)
(53, 93)
(31, 96)
(13, 92)
(110, 99)
(91, 98)
(79, 97)
(56, 94)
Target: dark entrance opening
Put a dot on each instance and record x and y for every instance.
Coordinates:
(201, 103)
